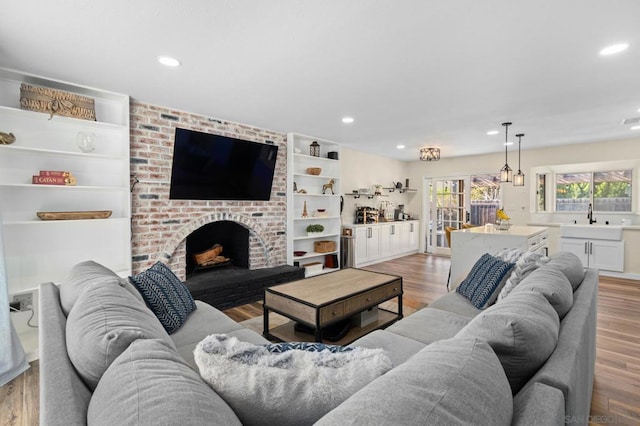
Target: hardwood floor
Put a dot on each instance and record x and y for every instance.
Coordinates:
(616, 391)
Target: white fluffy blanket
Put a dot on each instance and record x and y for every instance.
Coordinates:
(295, 387)
(526, 262)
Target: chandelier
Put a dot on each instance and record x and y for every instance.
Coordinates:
(429, 154)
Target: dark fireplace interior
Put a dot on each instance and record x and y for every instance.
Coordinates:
(233, 238)
(231, 285)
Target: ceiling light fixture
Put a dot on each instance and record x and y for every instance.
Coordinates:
(518, 178)
(347, 120)
(492, 132)
(429, 154)
(400, 147)
(168, 61)
(505, 172)
(635, 128)
(614, 48)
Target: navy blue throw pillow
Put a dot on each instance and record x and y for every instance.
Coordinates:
(164, 293)
(484, 279)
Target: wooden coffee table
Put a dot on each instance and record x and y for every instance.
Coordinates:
(326, 299)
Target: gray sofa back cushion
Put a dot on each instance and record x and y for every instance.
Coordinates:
(570, 265)
(538, 404)
(150, 384)
(103, 322)
(523, 332)
(84, 274)
(553, 285)
(450, 382)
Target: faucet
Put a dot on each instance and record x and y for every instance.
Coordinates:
(590, 215)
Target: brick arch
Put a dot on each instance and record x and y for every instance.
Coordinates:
(178, 239)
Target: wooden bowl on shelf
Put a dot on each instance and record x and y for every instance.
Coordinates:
(314, 170)
(299, 253)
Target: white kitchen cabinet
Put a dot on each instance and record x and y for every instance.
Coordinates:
(378, 242)
(322, 203)
(600, 254)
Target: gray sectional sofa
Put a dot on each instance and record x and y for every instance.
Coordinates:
(528, 359)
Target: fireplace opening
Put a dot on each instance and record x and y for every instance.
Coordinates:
(233, 238)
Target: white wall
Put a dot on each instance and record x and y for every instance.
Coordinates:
(362, 170)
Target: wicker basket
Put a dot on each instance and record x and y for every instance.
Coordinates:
(56, 102)
(324, 246)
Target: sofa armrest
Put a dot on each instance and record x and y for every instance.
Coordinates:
(538, 404)
(64, 397)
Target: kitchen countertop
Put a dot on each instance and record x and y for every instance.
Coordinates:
(513, 230)
(557, 225)
(380, 223)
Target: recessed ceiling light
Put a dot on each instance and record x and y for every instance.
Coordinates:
(635, 128)
(614, 48)
(400, 146)
(508, 143)
(169, 61)
(347, 120)
(492, 132)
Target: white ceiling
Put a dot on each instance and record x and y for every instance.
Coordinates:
(414, 72)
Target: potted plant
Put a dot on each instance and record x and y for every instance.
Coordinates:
(315, 229)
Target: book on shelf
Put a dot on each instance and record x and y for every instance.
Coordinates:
(54, 180)
(54, 173)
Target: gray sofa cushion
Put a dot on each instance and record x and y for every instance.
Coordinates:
(456, 303)
(570, 265)
(523, 332)
(399, 348)
(450, 382)
(205, 320)
(150, 384)
(430, 325)
(102, 324)
(84, 274)
(553, 285)
(538, 404)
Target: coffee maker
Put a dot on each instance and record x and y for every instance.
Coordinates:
(398, 213)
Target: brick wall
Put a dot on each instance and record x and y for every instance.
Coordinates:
(160, 225)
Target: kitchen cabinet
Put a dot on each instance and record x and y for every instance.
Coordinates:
(468, 245)
(312, 199)
(600, 254)
(378, 242)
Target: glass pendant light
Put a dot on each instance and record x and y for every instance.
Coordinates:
(506, 172)
(518, 178)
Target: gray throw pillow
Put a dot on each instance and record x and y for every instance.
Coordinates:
(450, 382)
(102, 324)
(151, 384)
(85, 273)
(570, 265)
(523, 332)
(553, 285)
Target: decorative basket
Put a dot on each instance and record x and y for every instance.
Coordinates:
(324, 246)
(314, 170)
(56, 102)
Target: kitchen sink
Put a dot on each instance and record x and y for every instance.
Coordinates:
(592, 232)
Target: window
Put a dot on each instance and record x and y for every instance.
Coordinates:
(606, 191)
(541, 192)
(485, 198)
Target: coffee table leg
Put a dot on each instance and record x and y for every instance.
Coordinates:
(265, 321)
(400, 305)
(318, 334)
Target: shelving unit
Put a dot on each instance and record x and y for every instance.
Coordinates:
(38, 251)
(310, 188)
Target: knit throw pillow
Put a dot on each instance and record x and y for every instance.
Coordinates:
(484, 280)
(164, 293)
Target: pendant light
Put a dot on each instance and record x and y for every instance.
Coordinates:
(518, 178)
(505, 172)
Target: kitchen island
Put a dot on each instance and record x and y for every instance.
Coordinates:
(467, 245)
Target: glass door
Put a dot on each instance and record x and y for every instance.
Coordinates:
(449, 198)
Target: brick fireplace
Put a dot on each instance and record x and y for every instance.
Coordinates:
(160, 226)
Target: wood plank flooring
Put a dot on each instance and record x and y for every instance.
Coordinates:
(616, 391)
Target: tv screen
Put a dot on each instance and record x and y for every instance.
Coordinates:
(213, 167)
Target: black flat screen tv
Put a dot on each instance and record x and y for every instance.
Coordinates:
(214, 167)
